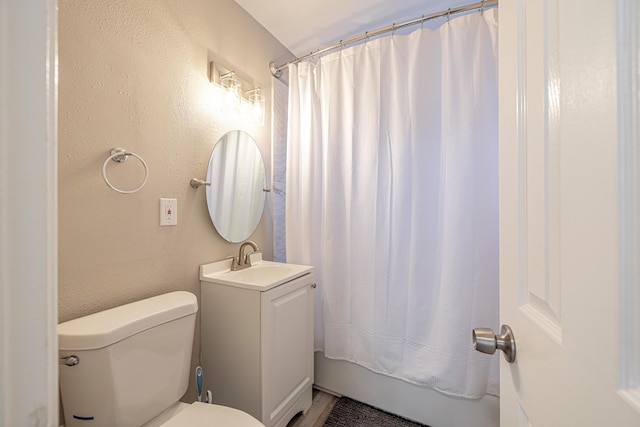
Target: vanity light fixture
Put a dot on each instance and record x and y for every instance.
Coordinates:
(249, 104)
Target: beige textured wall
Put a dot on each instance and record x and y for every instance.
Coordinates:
(133, 74)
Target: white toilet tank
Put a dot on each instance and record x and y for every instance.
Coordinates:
(133, 361)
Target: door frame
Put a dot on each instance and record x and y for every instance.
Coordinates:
(628, 28)
(28, 213)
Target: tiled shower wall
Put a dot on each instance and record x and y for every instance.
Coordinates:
(280, 122)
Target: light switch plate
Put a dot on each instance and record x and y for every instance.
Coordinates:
(168, 212)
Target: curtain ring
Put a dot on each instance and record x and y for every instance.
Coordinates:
(448, 15)
(482, 7)
(422, 23)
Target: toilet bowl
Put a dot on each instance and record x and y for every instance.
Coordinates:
(129, 366)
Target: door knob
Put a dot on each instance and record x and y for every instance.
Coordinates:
(486, 341)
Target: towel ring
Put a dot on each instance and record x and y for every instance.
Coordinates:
(120, 155)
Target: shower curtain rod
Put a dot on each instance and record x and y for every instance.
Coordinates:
(277, 70)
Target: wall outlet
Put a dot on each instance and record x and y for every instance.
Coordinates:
(168, 211)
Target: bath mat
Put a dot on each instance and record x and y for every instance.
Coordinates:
(350, 413)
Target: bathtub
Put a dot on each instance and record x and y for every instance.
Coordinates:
(417, 403)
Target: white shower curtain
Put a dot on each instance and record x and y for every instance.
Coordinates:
(392, 183)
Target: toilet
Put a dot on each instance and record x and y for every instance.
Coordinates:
(129, 366)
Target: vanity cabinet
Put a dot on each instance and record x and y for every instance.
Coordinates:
(257, 346)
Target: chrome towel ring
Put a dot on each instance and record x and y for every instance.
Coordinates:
(120, 155)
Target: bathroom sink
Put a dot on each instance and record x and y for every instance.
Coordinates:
(262, 275)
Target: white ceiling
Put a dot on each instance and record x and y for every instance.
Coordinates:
(307, 25)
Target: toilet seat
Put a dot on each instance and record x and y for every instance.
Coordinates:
(200, 414)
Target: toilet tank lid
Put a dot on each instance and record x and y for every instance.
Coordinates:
(110, 326)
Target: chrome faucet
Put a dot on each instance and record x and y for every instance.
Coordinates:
(244, 260)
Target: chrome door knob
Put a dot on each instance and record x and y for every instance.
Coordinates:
(486, 341)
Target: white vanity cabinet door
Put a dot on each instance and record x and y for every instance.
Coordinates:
(287, 344)
(257, 348)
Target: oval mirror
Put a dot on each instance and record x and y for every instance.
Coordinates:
(236, 195)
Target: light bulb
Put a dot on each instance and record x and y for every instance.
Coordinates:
(232, 95)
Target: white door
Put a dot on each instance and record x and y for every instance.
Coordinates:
(568, 155)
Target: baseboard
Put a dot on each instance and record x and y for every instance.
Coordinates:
(318, 387)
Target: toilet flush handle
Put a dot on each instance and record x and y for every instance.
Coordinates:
(70, 360)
